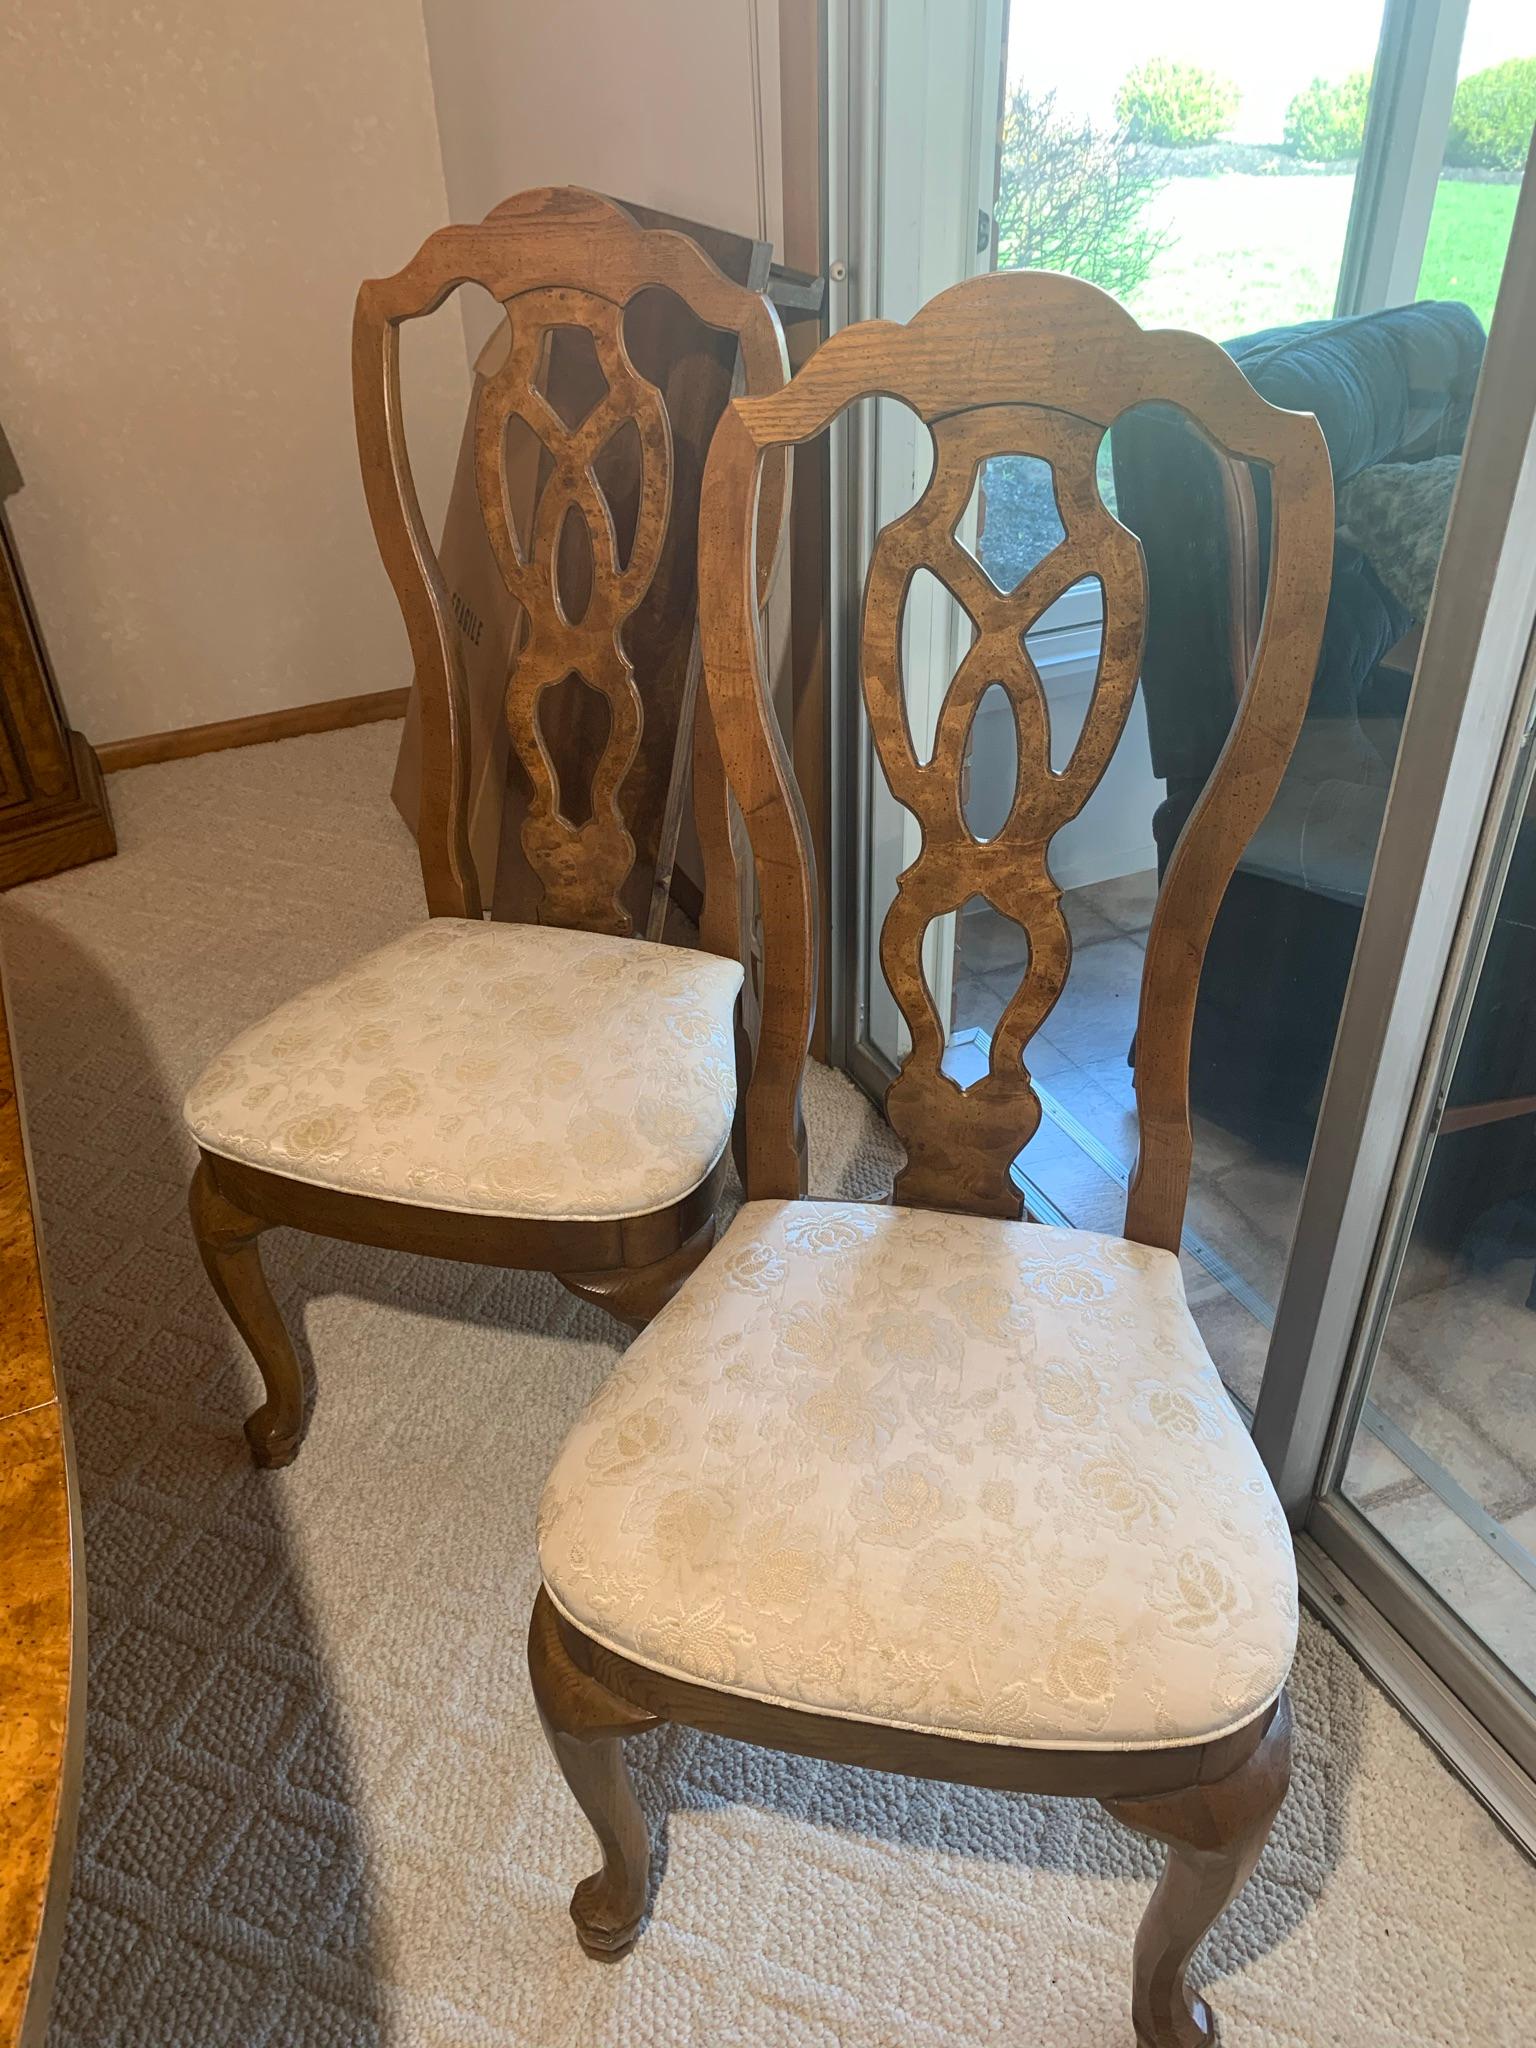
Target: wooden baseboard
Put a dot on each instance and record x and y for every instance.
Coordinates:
(181, 745)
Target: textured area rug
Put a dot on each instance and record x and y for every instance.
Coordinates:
(318, 1812)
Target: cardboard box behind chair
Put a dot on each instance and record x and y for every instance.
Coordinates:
(691, 364)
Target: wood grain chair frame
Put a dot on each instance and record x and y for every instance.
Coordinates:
(555, 258)
(1012, 364)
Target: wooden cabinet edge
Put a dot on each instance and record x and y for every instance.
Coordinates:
(42, 1612)
(62, 834)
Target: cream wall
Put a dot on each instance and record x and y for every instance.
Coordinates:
(657, 102)
(192, 190)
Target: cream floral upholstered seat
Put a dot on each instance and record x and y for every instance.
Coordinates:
(968, 1476)
(512, 1070)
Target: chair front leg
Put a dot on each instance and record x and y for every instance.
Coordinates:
(584, 1725)
(1214, 1834)
(227, 1239)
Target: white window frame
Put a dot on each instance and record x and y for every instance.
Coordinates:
(1409, 120)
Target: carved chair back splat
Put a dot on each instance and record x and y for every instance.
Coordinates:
(1039, 365)
(554, 259)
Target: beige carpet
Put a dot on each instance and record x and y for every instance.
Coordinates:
(318, 1813)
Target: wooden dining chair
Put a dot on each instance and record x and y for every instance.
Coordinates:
(556, 1095)
(926, 1487)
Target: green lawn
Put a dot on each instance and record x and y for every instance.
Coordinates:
(1468, 236)
(1250, 252)
(1244, 252)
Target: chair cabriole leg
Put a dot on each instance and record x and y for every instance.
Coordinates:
(1214, 1834)
(584, 1725)
(227, 1239)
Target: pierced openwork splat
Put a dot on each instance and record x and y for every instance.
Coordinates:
(556, 260)
(950, 1164)
(582, 864)
(1023, 363)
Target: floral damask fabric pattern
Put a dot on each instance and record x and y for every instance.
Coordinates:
(968, 1476)
(507, 1069)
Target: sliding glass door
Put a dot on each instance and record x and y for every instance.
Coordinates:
(1397, 1409)
(1333, 195)
(1434, 1455)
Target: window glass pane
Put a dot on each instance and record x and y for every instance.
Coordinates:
(1444, 1456)
(1195, 159)
(1484, 156)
